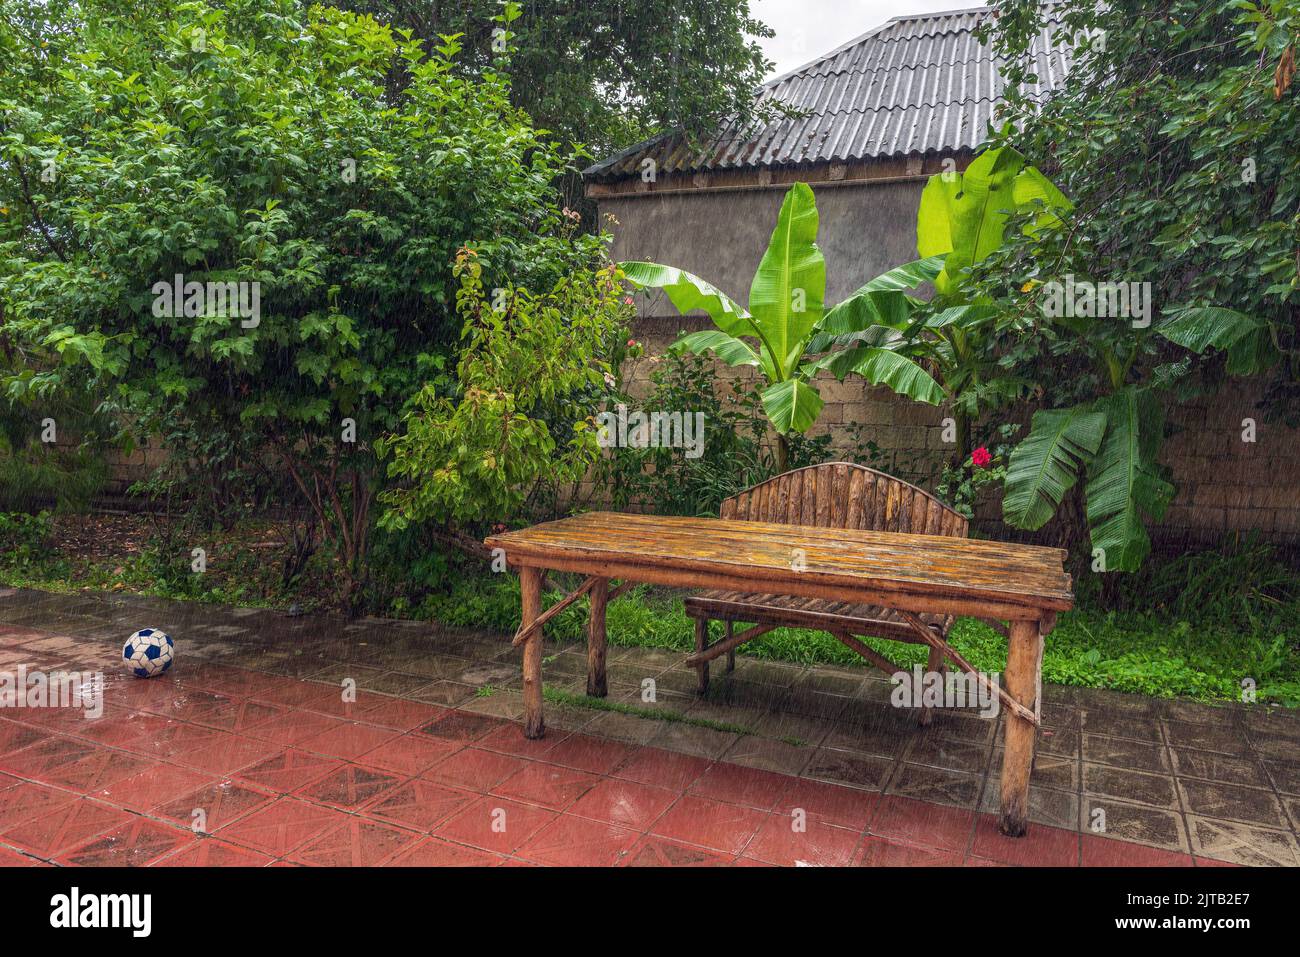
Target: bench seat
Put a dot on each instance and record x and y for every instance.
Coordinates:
(818, 613)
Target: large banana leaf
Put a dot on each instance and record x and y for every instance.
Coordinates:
(964, 316)
(786, 296)
(864, 309)
(1246, 339)
(792, 405)
(980, 210)
(1124, 481)
(964, 215)
(688, 293)
(884, 366)
(880, 302)
(907, 276)
(935, 216)
(1200, 327)
(969, 316)
(1031, 188)
(883, 336)
(1045, 465)
(732, 351)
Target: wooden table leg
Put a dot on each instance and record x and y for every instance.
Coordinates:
(702, 642)
(731, 655)
(530, 590)
(934, 665)
(596, 684)
(1023, 679)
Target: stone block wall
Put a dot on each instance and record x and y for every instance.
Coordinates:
(1225, 484)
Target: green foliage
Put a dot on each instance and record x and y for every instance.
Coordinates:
(1174, 134)
(1244, 582)
(607, 73)
(1125, 485)
(1182, 178)
(1045, 466)
(732, 457)
(23, 537)
(50, 447)
(212, 475)
(532, 370)
(962, 487)
(963, 216)
(963, 219)
(36, 474)
(259, 141)
(787, 318)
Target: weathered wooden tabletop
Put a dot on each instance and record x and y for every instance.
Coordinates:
(995, 579)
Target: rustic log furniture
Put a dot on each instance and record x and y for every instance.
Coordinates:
(937, 575)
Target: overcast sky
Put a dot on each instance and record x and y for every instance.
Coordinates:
(805, 29)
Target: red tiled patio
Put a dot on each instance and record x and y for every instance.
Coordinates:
(219, 765)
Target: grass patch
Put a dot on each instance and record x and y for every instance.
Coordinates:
(1139, 651)
(575, 700)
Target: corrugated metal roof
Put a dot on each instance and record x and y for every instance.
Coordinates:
(917, 85)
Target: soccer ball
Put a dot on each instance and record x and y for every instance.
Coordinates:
(148, 652)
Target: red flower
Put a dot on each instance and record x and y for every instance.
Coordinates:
(980, 458)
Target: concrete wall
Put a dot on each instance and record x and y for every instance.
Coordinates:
(721, 236)
(1224, 484)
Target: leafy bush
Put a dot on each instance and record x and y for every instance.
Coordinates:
(734, 453)
(70, 478)
(23, 537)
(531, 375)
(258, 141)
(732, 457)
(983, 471)
(1244, 582)
(1174, 135)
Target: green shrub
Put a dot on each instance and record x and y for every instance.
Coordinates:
(24, 537)
(37, 475)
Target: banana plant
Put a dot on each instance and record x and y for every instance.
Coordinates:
(1114, 441)
(786, 318)
(961, 220)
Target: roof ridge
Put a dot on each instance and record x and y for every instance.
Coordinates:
(857, 70)
(892, 21)
(931, 14)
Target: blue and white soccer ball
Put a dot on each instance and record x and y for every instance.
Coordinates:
(148, 652)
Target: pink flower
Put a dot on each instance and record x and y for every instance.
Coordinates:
(980, 458)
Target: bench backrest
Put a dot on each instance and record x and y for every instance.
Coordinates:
(845, 495)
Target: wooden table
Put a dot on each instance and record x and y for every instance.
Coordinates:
(1022, 585)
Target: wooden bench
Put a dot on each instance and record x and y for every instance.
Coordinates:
(832, 495)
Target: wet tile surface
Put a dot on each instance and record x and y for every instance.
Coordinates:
(254, 751)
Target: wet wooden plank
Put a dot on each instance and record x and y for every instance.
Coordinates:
(760, 551)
